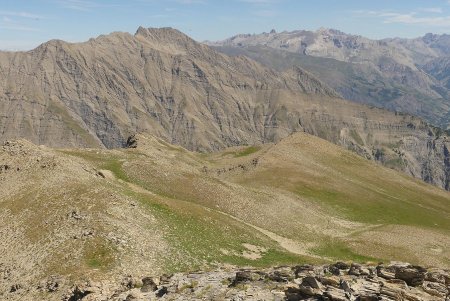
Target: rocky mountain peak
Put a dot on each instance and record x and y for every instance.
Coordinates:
(52, 44)
(161, 33)
(429, 37)
(168, 40)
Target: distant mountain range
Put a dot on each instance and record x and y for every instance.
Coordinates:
(405, 75)
(160, 81)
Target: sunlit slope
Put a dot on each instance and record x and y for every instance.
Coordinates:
(309, 191)
(102, 214)
(405, 218)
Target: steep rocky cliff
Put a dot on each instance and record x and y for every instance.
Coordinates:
(162, 82)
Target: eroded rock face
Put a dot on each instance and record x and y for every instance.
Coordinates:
(296, 283)
(159, 81)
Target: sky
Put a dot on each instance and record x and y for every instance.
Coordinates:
(24, 24)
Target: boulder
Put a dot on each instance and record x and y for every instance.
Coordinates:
(334, 270)
(134, 296)
(131, 282)
(293, 294)
(341, 265)
(165, 279)
(309, 291)
(385, 272)
(437, 276)
(148, 285)
(79, 292)
(358, 270)
(245, 276)
(412, 275)
(303, 269)
(335, 294)
(132, 142)
(435, 288)
(331, 280)
(389, 291)
(282, 275)
(347, 287)
(52, 284)
(311, 282)
(15, 287)
(162, 291)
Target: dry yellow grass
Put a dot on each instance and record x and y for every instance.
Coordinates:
(105, 213)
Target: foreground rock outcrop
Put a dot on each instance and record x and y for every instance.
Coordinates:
(340, 281)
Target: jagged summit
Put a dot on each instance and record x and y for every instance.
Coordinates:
(160, 32)
(164, 34)
(170, 40)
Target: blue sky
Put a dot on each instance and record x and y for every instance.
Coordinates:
(25, 24)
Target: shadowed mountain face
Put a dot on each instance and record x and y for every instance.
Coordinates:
(162, 82)
(397, 74)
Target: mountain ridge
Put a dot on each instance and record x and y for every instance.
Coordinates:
(160, 81)
(387, 73)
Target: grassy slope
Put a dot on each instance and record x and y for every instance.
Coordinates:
(308, 172)
(160, 208)
(355, 189)
(197, 235)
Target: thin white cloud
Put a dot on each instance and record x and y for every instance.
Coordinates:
(191, 1)
(265, 13)
(85, 5)
(21, 14)
(159, 16)
(260, 1)
(17, 45)
(80, 5)
(263, 8)
(8, 23)
(434, 10)
(18, 27)
(410, 18)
